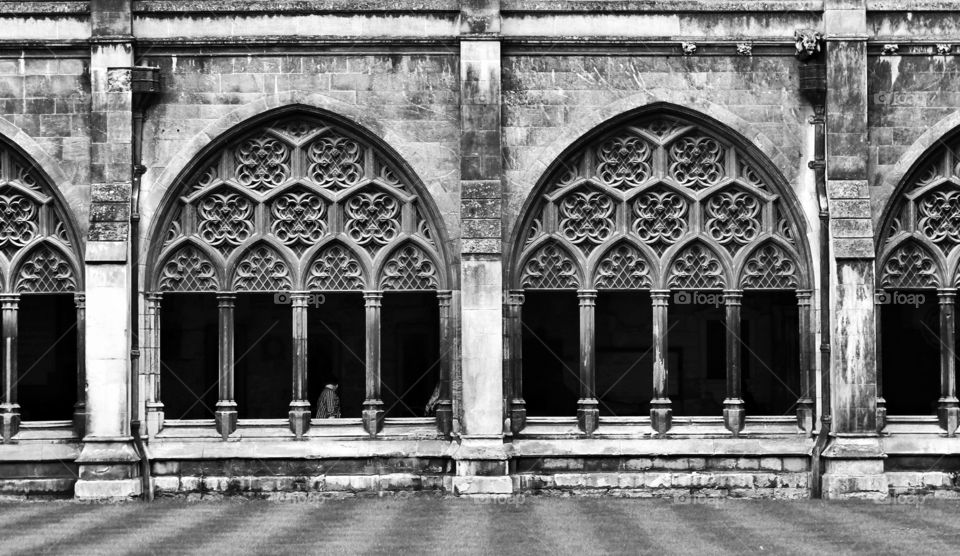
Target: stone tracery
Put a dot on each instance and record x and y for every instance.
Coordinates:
(299, 182)
(662, 181)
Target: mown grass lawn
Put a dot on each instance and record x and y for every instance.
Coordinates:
(518, 525)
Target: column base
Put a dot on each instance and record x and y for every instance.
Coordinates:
(518, 415)
(661, 416)
(108, 470)
(154, 418)
(80, 419)
(226, 418)
(445, 418)
(881, 414)
(948, 414)
(482, 468)
(9, 422)
(373, 417)
(854, 469)
(805, 415)
(588, 415)
(299, 418)
(733, 415)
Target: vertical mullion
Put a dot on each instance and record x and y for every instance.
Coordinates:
(226, 414)
(733, 410)
(444, 404)
(514, 343)
(80, 407)
(948, 408)
(805, 405)
(661, 412)
(587, 406)
(299, 405)
(372, 405)
(9, 408)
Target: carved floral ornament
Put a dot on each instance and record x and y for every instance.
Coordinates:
(36, 252)
(921, 233)
(660, 203)
(299, 203)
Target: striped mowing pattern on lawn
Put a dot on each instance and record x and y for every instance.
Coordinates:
(514, 525)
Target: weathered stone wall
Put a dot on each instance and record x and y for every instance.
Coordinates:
(410, 101)
(549, 101)
(914, 99)
(46, 102)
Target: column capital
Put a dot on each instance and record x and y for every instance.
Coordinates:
(732, 297)
(9, 300)
(299, 300)
(153, 297)
(947, 296)
(372, 298)
(587, 298)
(515, 297)
(804, 296)
(226, 299)
(444, 296)
(660, 297)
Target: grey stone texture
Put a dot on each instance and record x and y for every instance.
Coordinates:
(478, 99)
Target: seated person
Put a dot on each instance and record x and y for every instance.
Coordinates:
(328, 406)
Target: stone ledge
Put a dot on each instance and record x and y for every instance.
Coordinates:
(318, 484)
(122, 489)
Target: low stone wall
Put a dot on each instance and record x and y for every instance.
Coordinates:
(19, 480)
(299, 487)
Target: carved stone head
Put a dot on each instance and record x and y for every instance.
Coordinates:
(808, 43)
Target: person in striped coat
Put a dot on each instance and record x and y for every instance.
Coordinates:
(328, 406)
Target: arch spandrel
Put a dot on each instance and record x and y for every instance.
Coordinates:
(38, 236)
(918, 241)
(661, 179)
(298, 180)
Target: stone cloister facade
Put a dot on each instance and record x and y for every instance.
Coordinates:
(697, 247)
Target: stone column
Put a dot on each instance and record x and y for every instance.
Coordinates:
(808, 371)
(9, 408)
(80, 407)
(151, 363)
(948, 408)
(481, 461)
(444, 404)
(373, 405)
(881, 401)
(299, 405)
(108, 462)
(854, 458)
(513, 353)
(226, 413)
(588, 409)
(661, 412)
(733, 410)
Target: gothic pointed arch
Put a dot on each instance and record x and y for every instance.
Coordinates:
(918, 240)
(624, 266)
(551, 267)
(298, 179)
(662, 177)
(771, 265)
(261, 268)
(38, 236)
(409, 267)
(337, 267)
(696, 266)
(910, 265)
(45, 268)
(189, 268)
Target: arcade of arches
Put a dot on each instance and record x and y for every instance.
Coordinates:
(479, 247)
